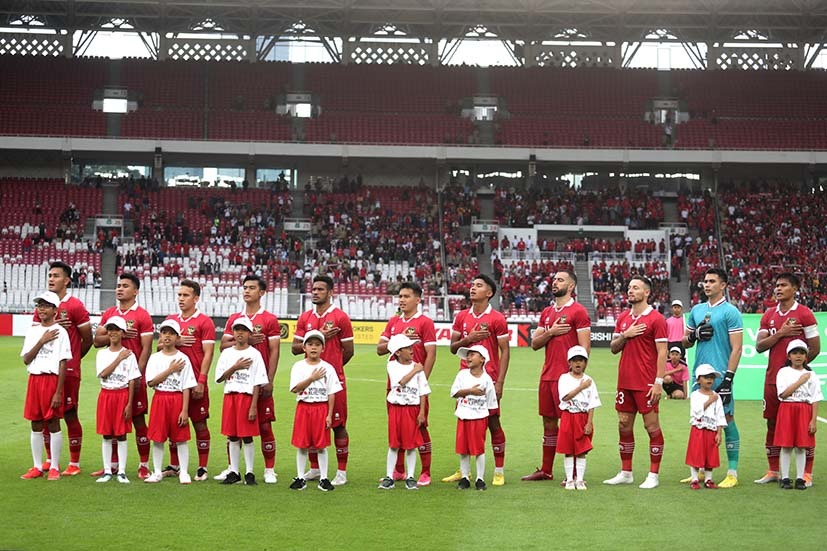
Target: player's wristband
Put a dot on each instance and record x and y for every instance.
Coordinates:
(202, 379)
(659, 381)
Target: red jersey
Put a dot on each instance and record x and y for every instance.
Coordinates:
(418, 325)
(136, 318)
(332, 317)
(202, 328)
(557, 348)
(639, 358)
(491, 320)
(71, 308)
(772, 320)
(264, 323)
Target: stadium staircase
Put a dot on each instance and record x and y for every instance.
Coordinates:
(484, 261)
(677, 289)
(109, 278)
(584, 287)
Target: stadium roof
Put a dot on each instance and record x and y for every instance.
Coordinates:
(527, 20)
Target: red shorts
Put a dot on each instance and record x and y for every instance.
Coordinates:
(71, 391)
(571, 440)
(403, 431)
(163, 418)
(266, 410)
(110, 421)
(140, 404)
(39, 393)
(549, 399)
(309, 429)
(471, 436)
(634, 401)
(701, 451)
(771, 402)
(792, 426)
(200, 409)
(427, 410)
(234, 416)
(340, 408)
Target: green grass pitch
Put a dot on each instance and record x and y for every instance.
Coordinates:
(76, 513)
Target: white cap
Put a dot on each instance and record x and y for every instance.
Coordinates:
(676, 349)
(48, 296)
(576, 351)
(244, 322)
(797, 343)
(677, 302)
(463, 352)
(117, 321)
(315, 333)
(705, 369)
(172, 324)
(399, 341)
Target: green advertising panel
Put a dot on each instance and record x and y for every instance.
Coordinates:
(749, 382)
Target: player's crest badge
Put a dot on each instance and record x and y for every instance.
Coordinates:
(191, 330)
(64, 314)
(483, 327)
(410, 331)
(130, 324)
(328, 325)
(257, 328)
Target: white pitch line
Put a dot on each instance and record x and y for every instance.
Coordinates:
(822, 419)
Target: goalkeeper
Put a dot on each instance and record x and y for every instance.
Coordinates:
(718, 330)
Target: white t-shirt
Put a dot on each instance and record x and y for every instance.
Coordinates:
(810, 392)
(710, 418)
(320, 389)
(123, 373)
(411, 393)
(175, 382)
(471, 406)
(50, 354)
(584, 400)
(242, 380)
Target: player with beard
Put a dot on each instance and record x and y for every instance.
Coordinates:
(562, 325)
(640, 338)
(338, 350)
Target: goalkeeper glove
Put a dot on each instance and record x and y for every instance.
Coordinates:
(724, 390)
(703, 332)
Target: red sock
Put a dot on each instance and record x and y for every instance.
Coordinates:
(75, 432)
(808, 463)
(400, 461)
(314, 458)
(139, 422)
(202, 440)
(173, 454)
(549, 449)
(342, 451)
(498, 443)
(773, 452)
(627, 449)
(425, 451)
(47, 440)
(268, 445)
(655, 450)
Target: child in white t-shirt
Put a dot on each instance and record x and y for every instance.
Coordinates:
(407, 402)
(706, 415)
(578, 399)
(315, 383)
(475, 395)
(117, 369)
(799, 392)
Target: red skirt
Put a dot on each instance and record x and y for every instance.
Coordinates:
(403, 431)
(111, 405)
(701, 451)
(792, 426)
(571, 440)
(163, 418)
(235, 420)
(309, 430)
(471, 436)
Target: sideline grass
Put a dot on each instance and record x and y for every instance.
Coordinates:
(76, 513)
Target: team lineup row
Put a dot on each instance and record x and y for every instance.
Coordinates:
(61, 336)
